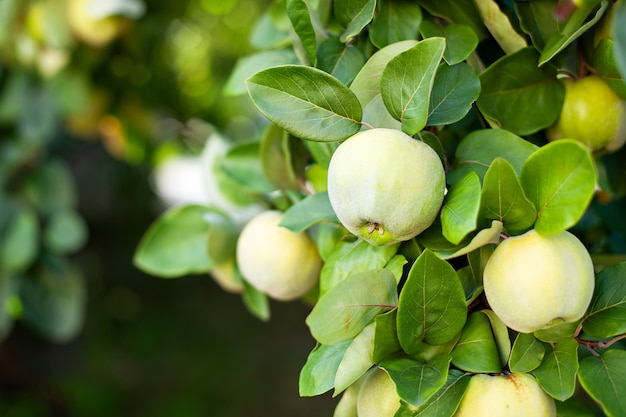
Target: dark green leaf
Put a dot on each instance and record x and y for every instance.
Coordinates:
(476, 350)
(307, 102)
(619, 38)
(603, 61)
(445, 402)
(514, 86)
(354, 15)
(318, 373)
(298, 13)
(386, 339)
(460, 208)
(20, 245)
(340, 60)
(347, 308)
(557, 372)
(395, 21)
(454, 91)
(461, 40)
(560, 180)
(65, 232)
(527, 353)
(537, 20)
(432, 304)
(604, 378)
(312, 209)
(606, 316)
(457, 11)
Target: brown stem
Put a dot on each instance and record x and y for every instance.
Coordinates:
(599, 344)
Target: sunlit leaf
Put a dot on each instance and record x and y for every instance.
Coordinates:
(460, 208)
(500, 27)
(298, 13)
(357, 359)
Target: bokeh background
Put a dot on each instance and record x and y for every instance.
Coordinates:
(111, 113)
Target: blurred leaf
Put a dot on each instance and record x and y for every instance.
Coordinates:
(6, 294)
(340, 60)
(560, 180)
(255, 301)
(354, 15)
(445, 401)
(606, 316)
(322, 151)
(537, 20)
(480, 148)
(476, 350)
(454, 91)
(619, 38)
(283, 158)
(603, 60)
(575, 26)
(527, 353)
(267, 33)
(306, 102)
(314, 208)
(243, 164)
(557, 372)
(318, 373)
(8, 11)
(502, 198)
(221, 237)
(51, 188)
(386, 336)
(500, 27)
(417, 381)
(432, 304)
(66, 232)
(461, 40)
(460, 208)
(20, 245)
(54, 300)
(395, 22)
(176, 243)
(357, 359)
(247, 66)
(345, 310)
(604, 378)
(298, 13)
(514, 86)
(406, 94)
(456, 11)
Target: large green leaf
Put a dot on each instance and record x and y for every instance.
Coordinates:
(298, 13)
(454, 91)
(432, 304)
(500, 27)
(457, 11)
(307, 102)
(347, 308)
(417, 381)
(481, 147)
(460, 208)
(176, 243)
(318, 373)
(314, 208)
(340, 60)
(502, 198)
(603, 60)
(476, 350)
(557, 372)
(619, 38)
(604, 378)
(606, 316)
(445, 401)
(461, 40)
(527, 353)
(357, 359)
(407, 81)
(354, 15)
(560, 180)
(395, 22)
(519, 96)
(537, 19)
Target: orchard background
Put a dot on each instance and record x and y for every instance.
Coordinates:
(109, 138)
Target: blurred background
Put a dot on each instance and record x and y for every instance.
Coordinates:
(95, 97)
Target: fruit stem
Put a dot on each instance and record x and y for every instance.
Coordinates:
(599, 344)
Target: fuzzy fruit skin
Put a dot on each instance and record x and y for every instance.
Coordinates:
(275, 260)
(592, 114)
(514, 395)
(385, 186)
(534, 282)
(377, 396)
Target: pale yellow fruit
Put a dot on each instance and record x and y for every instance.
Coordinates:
(534, 282)
(378, 396)
(385, 186)
(224, 275)
(514, 395)
(592, 114)
(90, 29)
(276, 261)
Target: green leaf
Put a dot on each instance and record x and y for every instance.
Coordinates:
(460, 208)
(487, 236)
(457, 11)
(417, 381)
(604, 378)
(20, 245)
(386, 338)
(454, 91)
(557, 372)
(317, 376)
(357, 359)
(527, 353)
(176, 243)
(354, 15)
(306, 102)
(480, 148)
(501, 335)
(500, 27)
(432, 304)
(576, 25)
(340, 60)
(221, 238)
(476, 350)
(537, 19)
(606, 316)
(51, 188)
(322, 151)
(298, 13)
(347, 405)
(514, 86)
(283, 159)
(619, 38)
(243, 164)
(249, 65)
(65, 232)
(313, 209)
(407, 81)
(445, 401)
(603, 60)
(502, 198)
(351, 257)
(461, 40)
(347, 308)
(7, 294)
(254, 300)
(395, 22)
(560, 180)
